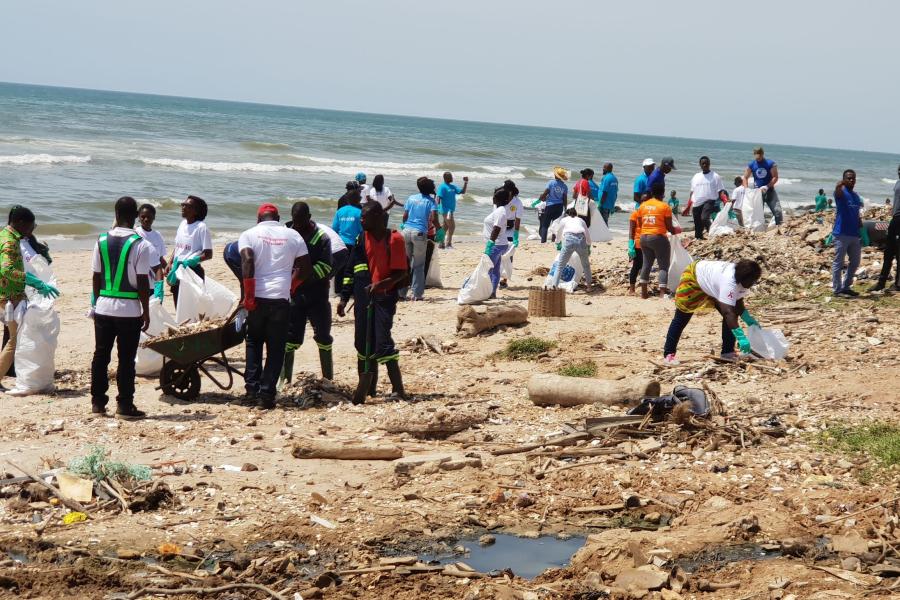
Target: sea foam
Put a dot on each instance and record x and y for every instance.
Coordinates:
(42, 159)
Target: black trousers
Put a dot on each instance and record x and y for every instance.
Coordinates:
(891, 252)
(199, 271)
(125, 334)
(267, 326)
(636, 265)
(385, 307)
(550, 214)
(702, 216)
(676, 328)
(313, 307)
(339, 264)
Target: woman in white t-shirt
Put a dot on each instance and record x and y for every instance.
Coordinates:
(708, 284)
(494, 233)
(193, 242)
(144, 228)
(382, 194)
(576, 238)
(514, 212)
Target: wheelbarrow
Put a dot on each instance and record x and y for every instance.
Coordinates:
(184, 358)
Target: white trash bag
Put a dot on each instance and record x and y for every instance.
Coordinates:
(721, 225)
(37, 335)
(198, 297)
(433, 277)
(477, 287)
(571, 275)
(599, 230)
(221, 299)
(768, 343)
(147, 362)
(506, 267)
(679, 261)
(753, 210)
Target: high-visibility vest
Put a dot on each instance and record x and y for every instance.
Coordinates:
(114, 252)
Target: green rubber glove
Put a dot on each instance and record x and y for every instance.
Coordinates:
(558, 246)
(748, 319)
(402, 226)
(440, 235)
(632, 251)
(864, 236)
(93, 300)
(829, 240)
(44, 289)
(159, 290)
(535, 203)
(743, 342)
(516, 238)
(191, 262)
(489, 247)
(732, 215)
(171, 278)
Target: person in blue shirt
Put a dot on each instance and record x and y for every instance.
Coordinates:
(666, 166)
(556, 196)
(419, 210)
(846, 233)
(765, 175)
(641, 188)
(446, 200)
(608, 192)
(347, 223)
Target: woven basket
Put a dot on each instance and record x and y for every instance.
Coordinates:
(546, 302)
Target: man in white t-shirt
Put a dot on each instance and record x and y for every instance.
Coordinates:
(706, 189)
(274, 261)
(120, 308)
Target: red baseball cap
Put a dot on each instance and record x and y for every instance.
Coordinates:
(267, 207)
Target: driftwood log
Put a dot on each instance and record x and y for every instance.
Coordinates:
(546, 389)
(345, 451)
(473, 319)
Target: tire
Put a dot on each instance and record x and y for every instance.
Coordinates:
(180, 381)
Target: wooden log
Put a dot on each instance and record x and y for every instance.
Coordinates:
(473, 319)
(546, 389)
(345, 451)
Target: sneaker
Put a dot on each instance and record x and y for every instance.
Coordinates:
(449, 247)
(877, 287)
(98, 409)
(129, 413)
(852, 293)
(842, 294)
(671, 361)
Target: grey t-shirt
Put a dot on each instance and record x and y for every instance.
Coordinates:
(896, 207)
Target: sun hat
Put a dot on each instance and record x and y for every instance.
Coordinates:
(561, 173)
(648, 162)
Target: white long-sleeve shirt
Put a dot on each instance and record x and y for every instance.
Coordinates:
(575, 225)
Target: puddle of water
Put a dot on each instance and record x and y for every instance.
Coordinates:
(526, 557)
(717, 557)
(19, 557)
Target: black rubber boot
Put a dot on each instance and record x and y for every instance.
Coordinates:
(373, 368)
(327, 364)
(878, 286)
(393, 369)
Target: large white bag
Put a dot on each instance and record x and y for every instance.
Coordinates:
(221, 299)
(477, 287)
(753, 210)
(37, 335)
(768, 343)
(506, 267)
(721, 225)
(198, 297)
(598, 229)
(147, 362)
(572, 274)
(433, 277)
(679, 261)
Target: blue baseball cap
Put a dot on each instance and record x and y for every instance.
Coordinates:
(361, 177)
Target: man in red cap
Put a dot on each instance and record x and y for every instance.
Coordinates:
(273, 259)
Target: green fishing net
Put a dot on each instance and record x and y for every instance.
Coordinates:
(97, 466)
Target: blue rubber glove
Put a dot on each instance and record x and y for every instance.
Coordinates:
(489, 247)
(743, 342)
(864, 236)
(632, 252)
(159, 290)
(515, 238)
(191, 262)
(171, 278)
(440, 235)
(40, 287)
(748, 319)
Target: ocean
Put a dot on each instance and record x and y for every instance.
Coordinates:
(69, 153)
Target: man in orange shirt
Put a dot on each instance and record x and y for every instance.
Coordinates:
(376, 271)
(655, 218)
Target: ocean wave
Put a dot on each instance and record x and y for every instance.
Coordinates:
(42, 159)
(786, 181)
(265, 146)
(65, 229)
(160, 202)
(889, 181)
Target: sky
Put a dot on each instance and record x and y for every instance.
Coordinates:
(803, 73)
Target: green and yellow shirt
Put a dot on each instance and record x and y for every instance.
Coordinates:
(12, 268)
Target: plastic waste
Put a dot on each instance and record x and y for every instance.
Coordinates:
(753, 210)
(680, 260)
(722, 225)
(37, 335)
(506, 267)
(147, 362)
(477, 287)
(768, 343)
(201, 297)
(571, 274)
(433, 277)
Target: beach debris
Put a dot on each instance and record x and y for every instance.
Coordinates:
(546, 389)
(347, 450)
(75, 487)
(435, 422)
(98, 466)
(474, 319)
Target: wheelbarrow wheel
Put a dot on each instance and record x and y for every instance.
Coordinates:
(180, 381)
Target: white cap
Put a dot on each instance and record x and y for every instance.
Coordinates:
(648, 162)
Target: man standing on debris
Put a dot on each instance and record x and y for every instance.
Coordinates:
(120, 308)
(706, 284)
(706, 190)
(274, 262)
(847, 234)
(892, 243)
(309, 301)
(765, 176)
(377, 269)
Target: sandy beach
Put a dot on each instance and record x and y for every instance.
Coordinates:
(758, 475)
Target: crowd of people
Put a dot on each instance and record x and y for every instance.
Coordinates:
(286, 270)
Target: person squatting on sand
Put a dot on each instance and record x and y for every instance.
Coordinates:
(576, 238)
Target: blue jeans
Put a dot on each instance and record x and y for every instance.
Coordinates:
(496, 254)
(416, 246)
(572, 243)
(851, 245)
(770, 198)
